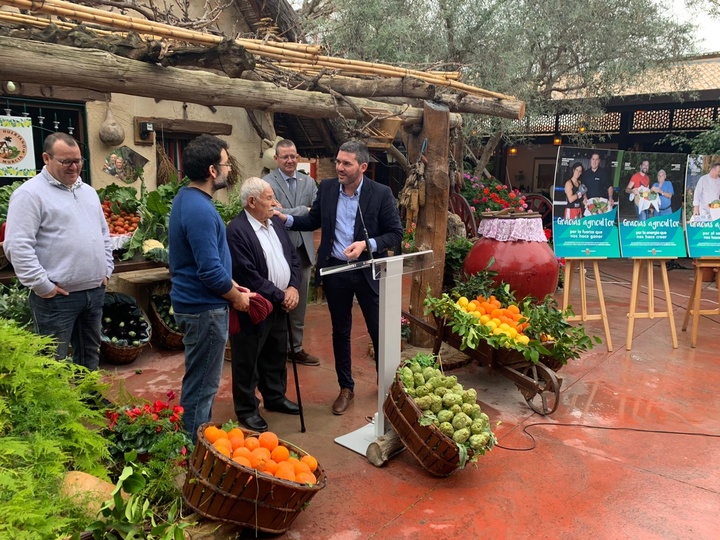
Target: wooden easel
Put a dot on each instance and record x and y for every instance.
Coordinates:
(651, 313)
(570, 265)
(694, 302)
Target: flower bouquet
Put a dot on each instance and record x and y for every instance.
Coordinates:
(491, 196)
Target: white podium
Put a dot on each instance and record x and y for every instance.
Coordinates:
(389, 271)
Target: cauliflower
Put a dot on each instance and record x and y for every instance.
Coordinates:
(445, 416)
(461, 435)
(450, 399)
(469, 396)
(435, 403)
(149, 245)
(419, 379)
(423, 402)
(462, 420)
(446, 428)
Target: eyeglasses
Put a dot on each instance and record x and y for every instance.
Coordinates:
(68, 162)
(291, 157)
(224, 165)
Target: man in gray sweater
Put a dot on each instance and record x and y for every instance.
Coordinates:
(58, 242)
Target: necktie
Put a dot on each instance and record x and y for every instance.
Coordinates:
(292, 184)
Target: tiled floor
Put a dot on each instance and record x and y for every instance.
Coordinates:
(606, 465)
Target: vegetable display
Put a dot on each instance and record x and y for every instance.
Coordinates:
(123, 323)
(120, 205)
(163, 306)
(446, 404)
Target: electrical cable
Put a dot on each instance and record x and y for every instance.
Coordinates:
(589, 426)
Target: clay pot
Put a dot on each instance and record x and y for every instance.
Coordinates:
(530, 268)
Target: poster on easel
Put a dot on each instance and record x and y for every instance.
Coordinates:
(702, 206)
(584, 203)
(17, 153)
(650, 204)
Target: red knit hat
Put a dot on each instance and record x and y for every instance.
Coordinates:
(259, 309)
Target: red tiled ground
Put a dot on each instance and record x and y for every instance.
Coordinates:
(576, 483)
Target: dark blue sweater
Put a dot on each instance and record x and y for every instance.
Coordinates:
(200, 264)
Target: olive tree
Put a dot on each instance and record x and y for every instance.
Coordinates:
(555, 55)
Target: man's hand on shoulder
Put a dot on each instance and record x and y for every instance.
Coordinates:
(279, 214)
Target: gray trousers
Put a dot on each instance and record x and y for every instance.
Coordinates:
(297, 315)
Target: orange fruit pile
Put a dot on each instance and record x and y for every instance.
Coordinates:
(500, 320)
(264, 453)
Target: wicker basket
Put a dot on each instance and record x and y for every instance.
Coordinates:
(113, 353)
(3, 259)
(169, 338)
(436, 452)
(219, 488)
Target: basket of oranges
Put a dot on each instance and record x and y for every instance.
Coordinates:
(250, 479)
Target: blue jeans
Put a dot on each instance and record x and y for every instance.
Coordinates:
(72, 320)
(206, 334)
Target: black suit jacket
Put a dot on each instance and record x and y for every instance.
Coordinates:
(249, 267)
(378, 208)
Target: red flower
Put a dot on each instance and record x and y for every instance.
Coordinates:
(548, 233)
(486, 191)
(170, 395)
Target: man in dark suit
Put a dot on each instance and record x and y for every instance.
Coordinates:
(295, 191)
(263, 258)
(341, 206)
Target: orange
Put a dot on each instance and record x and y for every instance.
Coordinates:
(280, 453)
(286, 473)
(236, 432)
(271, 467)
(310, 462)
(252, 443)
(224, 450)
(212, 434)
(242, 460)
(258, 459)
(300, 467)
(242, 452)
(306, 478)
(236, 442)
(268, 440)
(223, 443)
(513, 308)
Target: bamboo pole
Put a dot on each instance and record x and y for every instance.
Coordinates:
(60, 7)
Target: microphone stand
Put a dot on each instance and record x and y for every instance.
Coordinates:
(365, 233)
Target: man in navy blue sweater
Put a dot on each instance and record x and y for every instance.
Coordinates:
(201, 270)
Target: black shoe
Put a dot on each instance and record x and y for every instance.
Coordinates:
(283, 406)
(254, 422)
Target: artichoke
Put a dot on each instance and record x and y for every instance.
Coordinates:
(461, 435)
(446, 428)
(470, 396)
(445, 415)
(435, 403)
(461, 421)
(423, 402)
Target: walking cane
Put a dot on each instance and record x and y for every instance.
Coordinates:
(295, 373)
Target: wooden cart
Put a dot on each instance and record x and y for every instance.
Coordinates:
(538, 383)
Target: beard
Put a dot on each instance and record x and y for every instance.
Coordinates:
(220, 182)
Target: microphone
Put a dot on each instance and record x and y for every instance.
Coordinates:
(365, 233)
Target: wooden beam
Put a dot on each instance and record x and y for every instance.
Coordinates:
(173, 125)
(431, 229)
(512, 109)
(35, 62)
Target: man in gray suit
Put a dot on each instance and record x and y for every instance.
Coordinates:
(296, 192)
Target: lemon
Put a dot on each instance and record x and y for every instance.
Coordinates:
(484, 319)
(462, 302)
